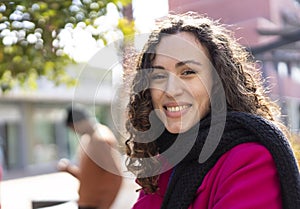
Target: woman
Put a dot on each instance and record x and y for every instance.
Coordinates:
(221, 145)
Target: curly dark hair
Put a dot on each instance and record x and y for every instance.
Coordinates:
(239, 73)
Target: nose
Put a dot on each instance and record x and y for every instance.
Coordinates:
(174, 86)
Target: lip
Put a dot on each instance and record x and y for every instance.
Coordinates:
(175, 110)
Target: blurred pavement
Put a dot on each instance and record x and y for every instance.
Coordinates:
(18, 193)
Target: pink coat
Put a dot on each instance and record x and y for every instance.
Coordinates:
(244, 177)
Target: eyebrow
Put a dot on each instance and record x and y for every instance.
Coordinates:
(179, 64)
(158, 67)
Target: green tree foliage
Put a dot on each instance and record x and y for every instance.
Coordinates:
(29, 37)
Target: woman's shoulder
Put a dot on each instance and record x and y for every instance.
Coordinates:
(153, 201)
(246, 167)
(245, 161)
(248, 149)
(148, 201)
(250, 154)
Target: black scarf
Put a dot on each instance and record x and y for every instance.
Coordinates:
(239, 128)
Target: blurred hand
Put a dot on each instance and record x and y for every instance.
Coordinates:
(63, 164)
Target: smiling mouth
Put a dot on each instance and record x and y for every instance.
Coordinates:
(177, 108)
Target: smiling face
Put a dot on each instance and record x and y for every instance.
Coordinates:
(181, 82)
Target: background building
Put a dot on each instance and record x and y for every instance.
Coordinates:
(32, 129)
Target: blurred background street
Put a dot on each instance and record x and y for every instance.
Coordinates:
(19, 193)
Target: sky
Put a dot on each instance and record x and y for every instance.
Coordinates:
(145, 11)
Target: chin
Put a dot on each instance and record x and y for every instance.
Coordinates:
(176, 129)
(180, 127)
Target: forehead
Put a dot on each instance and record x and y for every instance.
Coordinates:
(181, 46)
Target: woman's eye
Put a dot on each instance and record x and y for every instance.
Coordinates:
(188, 72)
(158, 76)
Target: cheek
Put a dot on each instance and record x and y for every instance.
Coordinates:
(155, 95)
(203, 103)
(201, 96)
(204, 88)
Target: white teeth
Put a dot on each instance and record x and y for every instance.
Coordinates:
(177, 108)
